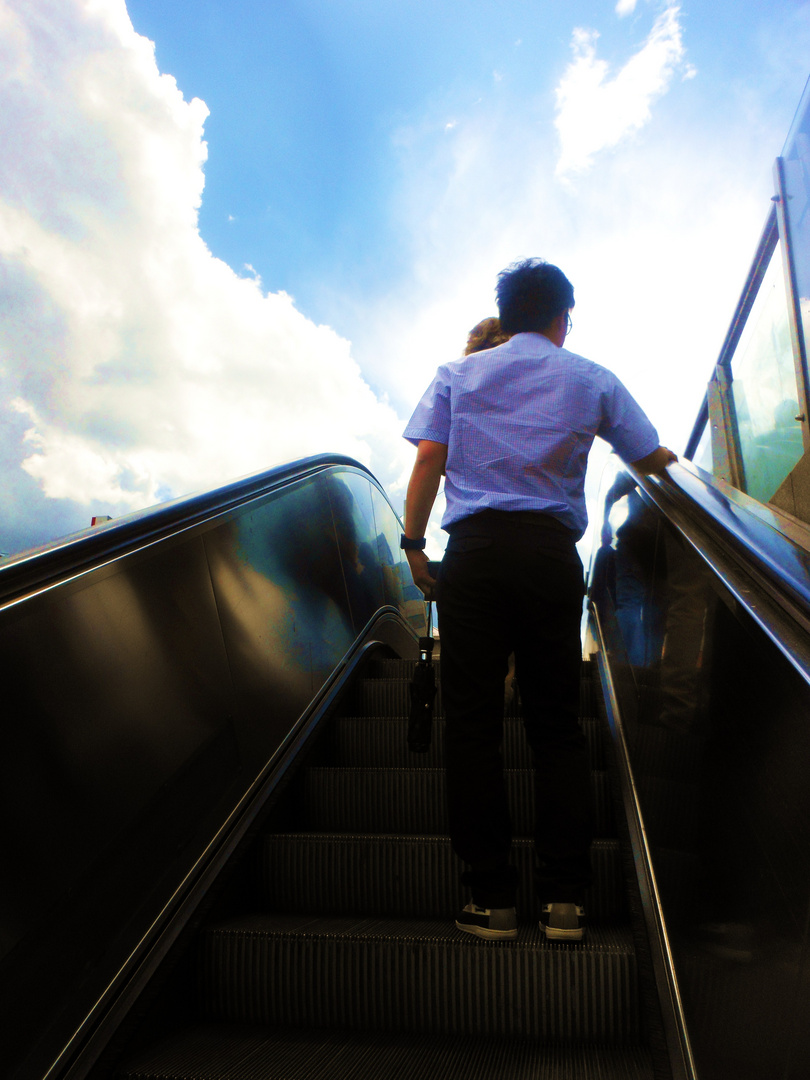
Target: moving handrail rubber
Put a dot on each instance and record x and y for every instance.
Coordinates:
(44, 566)
(759, 553)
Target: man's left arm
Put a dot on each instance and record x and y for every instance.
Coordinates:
(627, 428)
(423, 485)
(656, 462)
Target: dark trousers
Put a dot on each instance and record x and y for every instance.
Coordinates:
(513, 583)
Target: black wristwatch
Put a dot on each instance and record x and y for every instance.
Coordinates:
(407, 544)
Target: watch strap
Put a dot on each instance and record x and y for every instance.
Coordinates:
(407, 544)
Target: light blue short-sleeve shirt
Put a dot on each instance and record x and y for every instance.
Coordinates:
(518, 422)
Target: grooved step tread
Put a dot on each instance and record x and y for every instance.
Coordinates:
(407, 875)
(400, 668)
(413, 800)
(386, 985)
(391, 697)
(237, 1052)
(382, 742)
(409, 975)
(607, 939)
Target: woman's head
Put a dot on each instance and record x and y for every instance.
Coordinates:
(485, 335)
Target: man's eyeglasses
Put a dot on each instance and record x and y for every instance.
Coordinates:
(568, 324)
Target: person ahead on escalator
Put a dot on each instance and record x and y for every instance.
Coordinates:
(485, 335)
(512, 426)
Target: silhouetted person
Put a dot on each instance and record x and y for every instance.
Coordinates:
(511, 427)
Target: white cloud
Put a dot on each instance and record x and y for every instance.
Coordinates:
(595, 112)
(625, 7)
(142, 366)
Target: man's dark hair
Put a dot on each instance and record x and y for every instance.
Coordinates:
(531, 294)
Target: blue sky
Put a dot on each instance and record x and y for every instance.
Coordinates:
(234, 234)
(305, 99)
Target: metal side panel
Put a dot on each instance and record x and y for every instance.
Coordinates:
(153, 673)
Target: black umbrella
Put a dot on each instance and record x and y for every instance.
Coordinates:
(423, 692)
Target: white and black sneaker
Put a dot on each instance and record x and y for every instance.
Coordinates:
(563, 922)
(497, 924)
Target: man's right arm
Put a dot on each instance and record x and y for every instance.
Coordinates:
(656, 462)
(428, 470)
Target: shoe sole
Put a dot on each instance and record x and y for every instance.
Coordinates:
(484, 932)
(553, 934)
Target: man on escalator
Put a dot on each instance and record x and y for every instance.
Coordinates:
(511, 427)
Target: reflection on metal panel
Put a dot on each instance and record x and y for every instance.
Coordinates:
(398, 585)
(719, 738)
(283, 607)
(151, 691)
(118, 683)
(363, 566)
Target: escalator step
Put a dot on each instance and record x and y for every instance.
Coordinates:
(391, 697)
(412, 801)
(383, 743)
(384, 697)
(358, 971)
(238, 1052)
(407, 875)
(420, 976)
(398, 668)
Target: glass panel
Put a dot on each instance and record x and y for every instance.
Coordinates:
(764, 389)
(797, 206)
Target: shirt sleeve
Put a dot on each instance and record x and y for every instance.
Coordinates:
(625, 424)
(431, 417)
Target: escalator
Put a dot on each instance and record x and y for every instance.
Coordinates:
(348, 962)
(219, 860)
(216, 840)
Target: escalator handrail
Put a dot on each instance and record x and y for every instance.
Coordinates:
(770, 550)
(40, 568)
